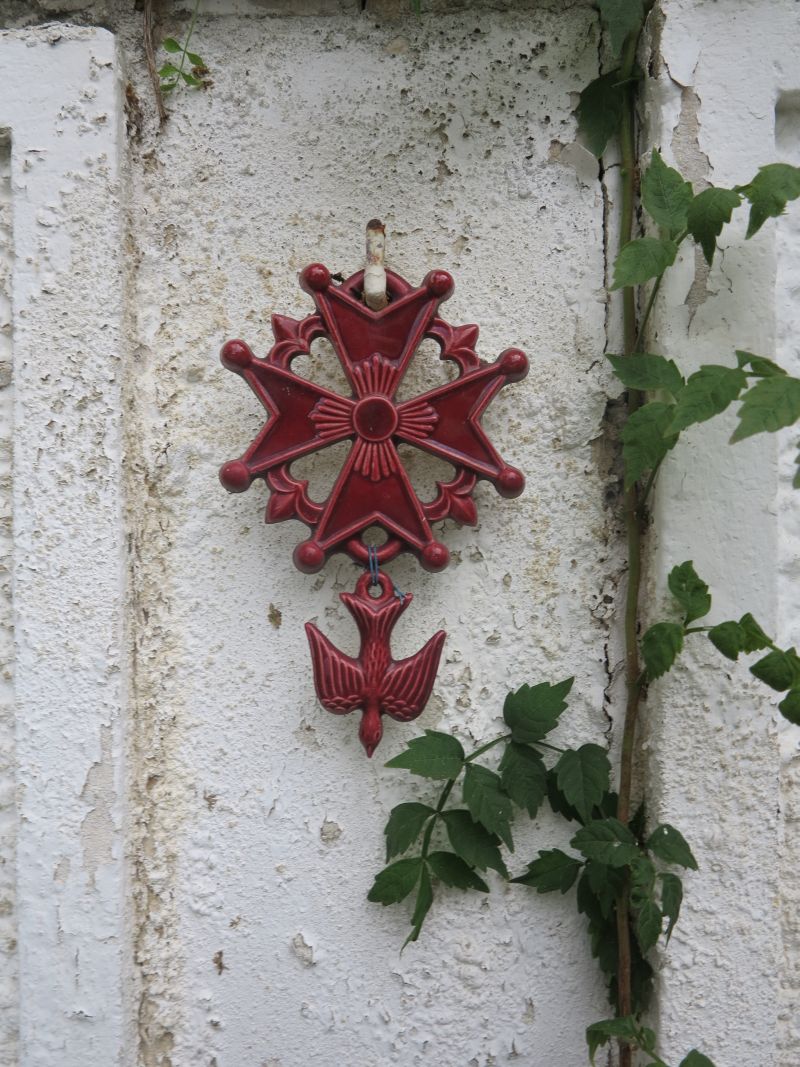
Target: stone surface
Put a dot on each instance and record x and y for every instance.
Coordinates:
(713, 727)
(61, 109)
(443, 128)
(197, 836)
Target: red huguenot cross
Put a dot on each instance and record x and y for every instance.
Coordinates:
(373, 487)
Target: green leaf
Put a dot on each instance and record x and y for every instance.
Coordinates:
(167, 87)
(435, 755)
(553, 870)
(670, 846)
(643, 880)
(171, 45)
(648, 925)
(582, 775)
(731, 638)
(707, 392)
(608, 1030)
(533, 711)
(404, 827)
(190, 79)
(637, 822)
(195, 59)
(644, 371)
(621, 18)
(789, 707)
(754, 636)
(642, 259)
(778, 669)
(524, 776)
(168, 70)
(768, 406)
(671, 900)
(475, 845)
(604, 883)
(644, 443)
(665, 195)
(696, 1059)
(452, 870)
(728, 638)
(422, 906)
(606, 841)
(558, 802)
(600, 110)
(488, 804)
(396, 881)
(769, 192)
(758, 364)
(690, 591)
(660, 647)
(707, 214)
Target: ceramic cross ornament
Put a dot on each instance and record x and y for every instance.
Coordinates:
(372, 488)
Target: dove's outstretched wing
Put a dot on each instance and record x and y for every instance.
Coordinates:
(408, 682)
(338, 678)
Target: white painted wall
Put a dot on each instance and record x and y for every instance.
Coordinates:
(728, 982)
(266, 818)
(66, 950)
(195, 835)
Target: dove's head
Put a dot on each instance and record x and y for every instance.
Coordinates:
(371, 729)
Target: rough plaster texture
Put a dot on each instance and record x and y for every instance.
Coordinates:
(250, 819)
(263, 827)
(787, 291)
(61, 107)
(8, 815)
(715, 759)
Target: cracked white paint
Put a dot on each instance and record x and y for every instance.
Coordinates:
(60, 104)
(726, 983)
(249, 818)
(9, 990)
(787, 314)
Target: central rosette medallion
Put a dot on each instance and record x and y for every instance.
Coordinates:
(372, 488)
(375, 418)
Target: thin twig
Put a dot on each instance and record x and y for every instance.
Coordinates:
(155, 81)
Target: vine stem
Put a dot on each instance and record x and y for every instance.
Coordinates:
(633, 533)
(147, 18)
(637, 344)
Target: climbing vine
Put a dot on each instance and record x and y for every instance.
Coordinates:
(624, 876)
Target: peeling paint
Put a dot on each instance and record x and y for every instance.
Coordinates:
(303, 951)
(233, 771)
(97, 828)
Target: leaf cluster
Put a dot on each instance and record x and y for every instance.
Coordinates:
(606, 856)
(603, 100)
(769, 397)
(611, 857)
(629, 1030)
(477, 831)
(662, 642)
(771, 403)
(171, 75)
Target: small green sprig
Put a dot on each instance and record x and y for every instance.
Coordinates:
(171, 76)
